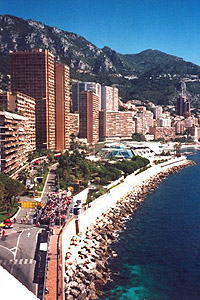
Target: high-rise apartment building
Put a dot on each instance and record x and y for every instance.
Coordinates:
(143, 120)
(84, 86)
(62, 107)
(183, 106)
(13, 141)
(33, 73)
(179, 126)
(21, 103)
(157, 111)
(109, 98)
(74, 124)
(116, 124)
(89, 117)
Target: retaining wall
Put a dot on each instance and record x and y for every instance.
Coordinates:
(108, 200)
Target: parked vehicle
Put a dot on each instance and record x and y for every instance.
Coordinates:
(8, 224)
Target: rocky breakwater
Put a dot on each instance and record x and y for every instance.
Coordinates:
(86, 261)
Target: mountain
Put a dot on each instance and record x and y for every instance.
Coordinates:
(149, 75)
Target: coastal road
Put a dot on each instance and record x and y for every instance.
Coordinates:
(18, 247)
(17, 251)
(50, 185)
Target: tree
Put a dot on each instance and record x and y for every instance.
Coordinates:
(10, 189)
(177, 148)
(24, 175)
(2, 191)
(73, 143)
(137, 137)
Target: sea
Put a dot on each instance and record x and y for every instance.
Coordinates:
(159, 251)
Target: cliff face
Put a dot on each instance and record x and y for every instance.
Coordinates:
(149, 75)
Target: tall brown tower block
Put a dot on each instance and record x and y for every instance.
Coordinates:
(62, 107)
(33, 73)
(89, 117)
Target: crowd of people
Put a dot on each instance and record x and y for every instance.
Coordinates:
(55, 211)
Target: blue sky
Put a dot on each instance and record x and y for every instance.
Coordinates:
(127, 26)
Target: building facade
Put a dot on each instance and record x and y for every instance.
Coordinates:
(33, 73)
(81, 87)
(163, 133)
(116, 124)
(157, 111)
(13, 141)
(179, 126)
(194, 132)
(21, 103)
(109, 98)
(89, 117)
(143, 121)
(62, 107)
(74, 124)
(164, 122)
(183, 106)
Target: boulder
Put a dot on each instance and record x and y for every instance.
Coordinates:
(74, 284)
(83, 296)
(75, 293)
(98, 275)
(101, 266)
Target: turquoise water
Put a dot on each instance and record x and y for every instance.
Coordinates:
(159, 253)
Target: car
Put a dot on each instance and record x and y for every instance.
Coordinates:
(8, 224)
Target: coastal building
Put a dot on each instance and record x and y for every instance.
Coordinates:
(89, 117)
(33, 74)
(191, 121)
(78, 87)
(116, 124)
(194, 133)
(109, 98)
(164, 122)
(74, 124)
(163, 133)
(14, 144)
(62, 107)
(25, 105)
(157, 111)
(143, 120)
(179, 126)
(115, 152)
(183, 106)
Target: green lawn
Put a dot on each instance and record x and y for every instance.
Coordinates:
(3, 213)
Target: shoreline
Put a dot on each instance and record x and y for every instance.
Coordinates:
(86, 260)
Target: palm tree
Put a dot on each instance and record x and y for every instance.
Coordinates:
(177, 148)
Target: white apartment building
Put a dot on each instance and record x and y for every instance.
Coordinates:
(157, 111)
(109, 98)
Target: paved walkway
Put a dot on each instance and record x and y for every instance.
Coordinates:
(51, 281)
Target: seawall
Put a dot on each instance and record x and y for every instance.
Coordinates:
(85, 256)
